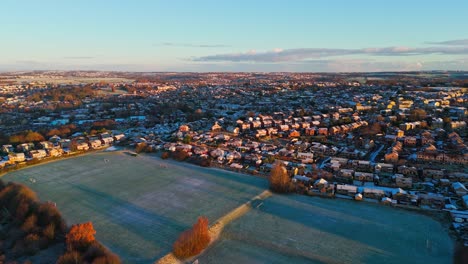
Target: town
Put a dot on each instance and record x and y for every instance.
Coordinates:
(394, 139)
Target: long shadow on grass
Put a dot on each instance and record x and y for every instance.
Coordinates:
(218, 173)
(381, 235)
(321, 221)
(153, 228)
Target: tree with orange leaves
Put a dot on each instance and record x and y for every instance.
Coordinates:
(191, 242)
(80, 236)
(279, 179)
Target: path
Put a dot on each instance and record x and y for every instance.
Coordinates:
(217, 228)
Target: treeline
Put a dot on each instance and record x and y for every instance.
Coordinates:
(62, 94)
(37, 136)
(29, 226)
(181, 155)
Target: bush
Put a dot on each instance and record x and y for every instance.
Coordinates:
(140, 147)
(165, 155)
(81, 236)
(191, 242)
(180, 155)
(70, 257)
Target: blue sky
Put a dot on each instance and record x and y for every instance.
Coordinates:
(205, 35)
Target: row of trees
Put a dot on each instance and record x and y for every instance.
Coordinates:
(27, 136)
(29, 226)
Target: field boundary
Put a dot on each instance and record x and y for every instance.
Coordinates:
(216, 229)
(51, 160)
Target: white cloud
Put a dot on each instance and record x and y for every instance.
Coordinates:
(288, 55)
(461, 42)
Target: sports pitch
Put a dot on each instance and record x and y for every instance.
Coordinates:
(138, 205)
(301, 229)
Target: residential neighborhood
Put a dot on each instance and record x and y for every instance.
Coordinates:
(386, 142)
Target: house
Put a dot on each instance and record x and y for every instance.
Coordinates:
(364, 165)
(38, 154)
(16, 157)
(119, 137)
(25, 147)
(261, 133)
(55, 152)
(364, 176)
(3, 163)
(458, 176)
(82, 146)
(410, 141)
(7, 149)
(391, 157)
(55, 139)
(404, 197)
(373, 193)
(432, 199)
(346, 189)
(384, 167)
(106, 139)
(403, 182)
(245, 126)
(294, 134)
(216, 127)
(408, 171)
(272, 131)
(459, 188)
(255, 124)
(184, 128)
(305, 157)
(323, 131)
(267, 123)
(346, 173)
(96, 143)
(433, 173)
(284, 127)
(46, 144)
(310, 131)
(65, 143)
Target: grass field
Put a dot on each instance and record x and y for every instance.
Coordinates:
(301, 229)
(138, 208)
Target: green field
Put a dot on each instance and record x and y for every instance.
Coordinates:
(300, 229)
(137, 206)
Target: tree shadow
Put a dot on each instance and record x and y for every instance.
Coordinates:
(151, 227)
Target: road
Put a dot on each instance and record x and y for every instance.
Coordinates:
(322, 164)
(375, 153)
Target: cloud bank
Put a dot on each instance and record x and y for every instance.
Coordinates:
(288, 55)
(462, 42)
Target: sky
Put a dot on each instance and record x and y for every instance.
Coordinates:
(228, 35)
